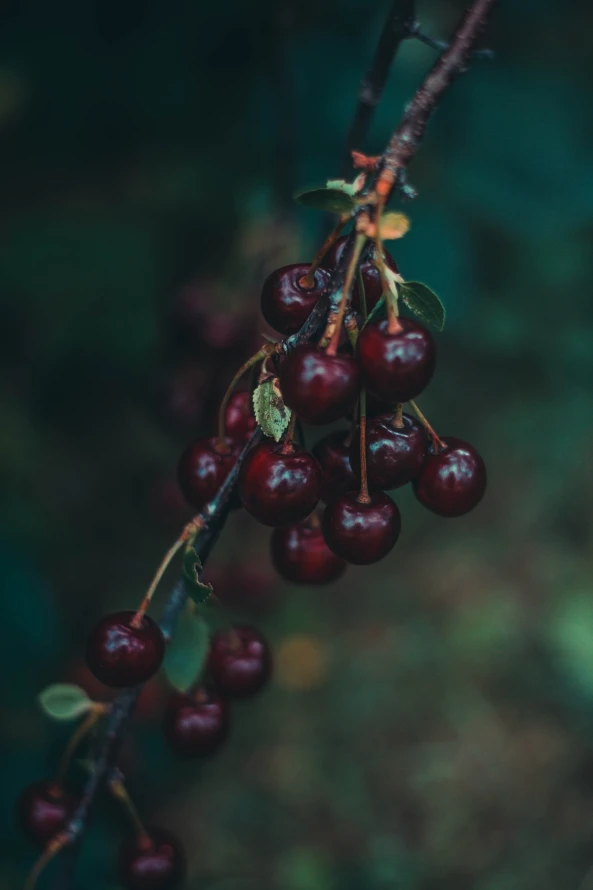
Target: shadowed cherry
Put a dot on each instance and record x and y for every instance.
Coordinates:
(451, 482)
(319, 387)
(239, 661)
(373, 287)
(287, 301)
(239, 421)
(279, 484)
(394, 453)
(44, 809)
(196, 725)
(358, 532)
(333, 454)
(301, 556)
(121, 655)
(396, 367)
(154, 862)
(203, 467)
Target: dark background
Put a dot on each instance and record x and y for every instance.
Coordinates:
(431, 720)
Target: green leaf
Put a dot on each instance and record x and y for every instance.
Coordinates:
(198, 591)
(270, 411)
(424, 303)
(64, 701)
(187, 650)
(333, 200)
(378, 308)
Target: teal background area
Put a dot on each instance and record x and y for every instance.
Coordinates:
(430, 725)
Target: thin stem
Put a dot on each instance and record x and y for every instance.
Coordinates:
(52, 849)
(137, 619)
(97, 711)
(437, 444)
(398, 417)
(308, 280)
(287, 446)
(259, 356)
(335, 323)
(362, 295)
(363, 497)
(118, 789)
(393, 323)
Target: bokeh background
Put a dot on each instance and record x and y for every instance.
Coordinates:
(431, 720)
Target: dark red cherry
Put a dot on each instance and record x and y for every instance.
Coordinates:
(453, 481)
(44, 809)
(196, 725)
(301, 556)
(373, 288)
(318, 387)
(361, 533)
(154, 862)
(238, 417)
(287, 300)
(333, 454)
(394, 454)
(203, 467)
(239, 661)
(395, 367)
(120, 654)
(279, 485)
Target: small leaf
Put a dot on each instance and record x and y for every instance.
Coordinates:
(349, 188)
(198, 591)
(64, 701)
(424, 303)
(270, 411)
(333, 200)
(394, 225)
(187, 651)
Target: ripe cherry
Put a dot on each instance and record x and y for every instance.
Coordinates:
(155, 861)
(319, 387)
(333, 454)
(361, 533)
(279, 484)
(373, 287)
(287, 299)
(196, 725)
(44, 809)
(301, 556)
(239, 661)
(238, 419)
(204, 466)
(120, 654)
(452, 481)
(395, 367)
(394, 453)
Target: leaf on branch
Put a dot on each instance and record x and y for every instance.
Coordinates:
(332, 200)
(64, 701)
(424, 303)
(270, 411)
(349, 188)
(198, 591)
(394, 225)
(187, 650)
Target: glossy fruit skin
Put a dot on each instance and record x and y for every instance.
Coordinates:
(239, 419)
(44, 809)
(301, 556)
(361, 533)
(396, 367)
(203, 467)
(278, 488)
(286, 304)
(373, 288)
(318, 387)
(120, 655)
(394, 455)
(160, 866)
(196, 726)
(333, 455)
(451, 482)
(239, 662)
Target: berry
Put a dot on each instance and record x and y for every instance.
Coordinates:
(153, 862)
(44, 809)
(196, 725)
(361, 533)
(120, 654)
(285, 302)
(279, 485)
(203, 467)
(238, 418)
(333, 454)
(373, 288)
(318, 387)
(394, 454)
(395, 367)
(301, 556)
(239, 661)
(247, 586)
(453, 481)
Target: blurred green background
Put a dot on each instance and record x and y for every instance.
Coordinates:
(430, 726)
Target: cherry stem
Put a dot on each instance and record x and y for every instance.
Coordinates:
(119, 791)
(287, 446)
(260, 355)
(393, 323)
(55, 846)
(339, 318)
(437, 444)
(97, 710)
(398, 417)
(363, 296)
(363, 497)
(308, 280)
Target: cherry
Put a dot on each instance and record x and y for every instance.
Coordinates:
(238, 419)
(361, 533)
(239, 661)
(286, 302)
(333, 454)
(279, 484)
(120, 654)
(394, 454)
(196, 725)
(44, 809)
(155, 861)
(203, 467)
(373, 287)
(301, 556)
(395, 367)
(319, 387)
(452, 481)
(250, 586)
